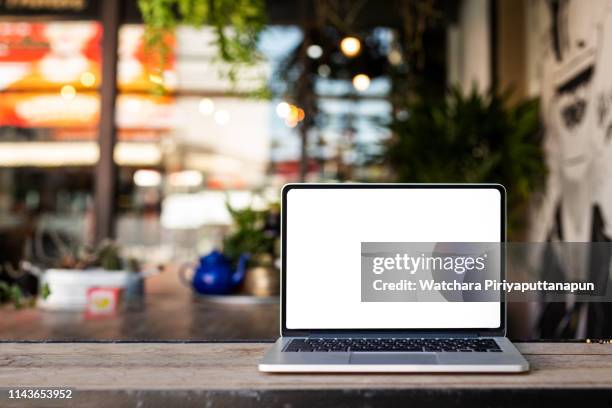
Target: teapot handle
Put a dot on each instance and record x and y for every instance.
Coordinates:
(182, 273)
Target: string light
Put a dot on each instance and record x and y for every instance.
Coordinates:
(314, 51)
(291, 113)
(294, 113)
(350, 46)
(283, 109)
(88, 79)
(361, 82)
(68, 92)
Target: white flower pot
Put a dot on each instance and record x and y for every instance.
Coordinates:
(69, 286)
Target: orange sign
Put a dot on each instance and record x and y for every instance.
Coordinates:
(49, 110)
(137, 69)
(82, 109)
(48, 56)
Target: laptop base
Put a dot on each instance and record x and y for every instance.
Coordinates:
(508, 361)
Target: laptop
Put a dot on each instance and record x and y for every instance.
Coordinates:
(349, 253)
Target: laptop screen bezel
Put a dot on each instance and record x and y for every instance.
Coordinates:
(498, 331)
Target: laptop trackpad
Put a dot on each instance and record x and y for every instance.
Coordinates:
(393, 358)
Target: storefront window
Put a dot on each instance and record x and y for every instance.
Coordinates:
(49, 109)
(118, 194)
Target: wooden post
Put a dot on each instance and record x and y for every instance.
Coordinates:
(303, 91)
(105, 175)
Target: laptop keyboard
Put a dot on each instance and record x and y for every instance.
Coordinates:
(467, 345)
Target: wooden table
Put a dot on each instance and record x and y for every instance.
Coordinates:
(225, 374)
(169, 311)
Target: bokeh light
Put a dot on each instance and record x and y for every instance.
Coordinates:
(206, 106)
(350, 46)
(361, 82)
(88, 79)
(68, 92)
(314, 51)
(283, 109)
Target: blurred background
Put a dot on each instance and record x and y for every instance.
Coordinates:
(143, 145)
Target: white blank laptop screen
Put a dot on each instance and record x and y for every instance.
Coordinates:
(325, 228)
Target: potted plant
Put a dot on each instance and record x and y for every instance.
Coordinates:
(85, 268)
(256, 233)
(12, 293)
(471, 138)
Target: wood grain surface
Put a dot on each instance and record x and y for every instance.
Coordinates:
(233, 366)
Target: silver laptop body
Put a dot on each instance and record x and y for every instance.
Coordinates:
(309, 343)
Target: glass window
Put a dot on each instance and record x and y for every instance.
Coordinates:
(201, 155)
(200, 165)
(49, 109)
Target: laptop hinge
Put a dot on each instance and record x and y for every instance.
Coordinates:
(296, 334)
(492, 334)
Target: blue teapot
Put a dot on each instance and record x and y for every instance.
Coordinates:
(214, 275)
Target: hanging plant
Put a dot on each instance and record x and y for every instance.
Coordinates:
(237, 25)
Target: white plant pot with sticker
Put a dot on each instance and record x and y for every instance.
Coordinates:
(68, 287)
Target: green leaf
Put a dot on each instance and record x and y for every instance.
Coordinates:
(470, 137)
(237, 25)
(45, 291)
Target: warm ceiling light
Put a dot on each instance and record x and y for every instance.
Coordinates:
(283, 109)
(300, 115)
(186, 178)
(206, 106)
(222, 117)
(314, 51)
(68, 92)
(137, 154)
(361, 82)
(294, 113)
(88, 79)
(290, 123)
(350, 46)
(147, 178)
(48, 154)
